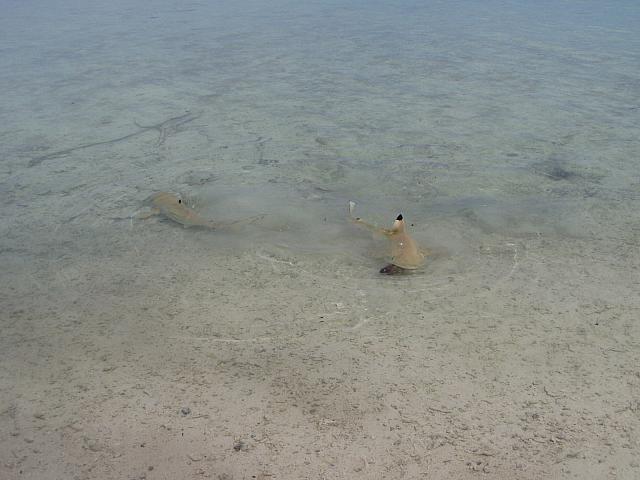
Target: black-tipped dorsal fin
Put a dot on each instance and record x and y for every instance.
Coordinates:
(399, 217)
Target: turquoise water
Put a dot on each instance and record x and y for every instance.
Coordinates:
(415, 107)
(505, 132)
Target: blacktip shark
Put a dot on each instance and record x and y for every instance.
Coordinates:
(405, 252)
(172, 207)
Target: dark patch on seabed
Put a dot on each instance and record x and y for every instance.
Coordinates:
(558, 169)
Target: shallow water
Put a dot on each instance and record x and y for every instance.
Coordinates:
(505, 133)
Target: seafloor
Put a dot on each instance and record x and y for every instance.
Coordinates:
(506, 134)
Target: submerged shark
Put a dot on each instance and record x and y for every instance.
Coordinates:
(172, 207)
(405, 252)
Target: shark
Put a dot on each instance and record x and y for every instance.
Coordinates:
(174, 208)
(405, 252)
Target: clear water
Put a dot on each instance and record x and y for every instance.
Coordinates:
(505, 132)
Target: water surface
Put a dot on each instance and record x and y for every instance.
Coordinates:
(505, 132)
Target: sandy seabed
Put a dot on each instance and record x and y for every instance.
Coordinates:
(139, 349)
(133, 348)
